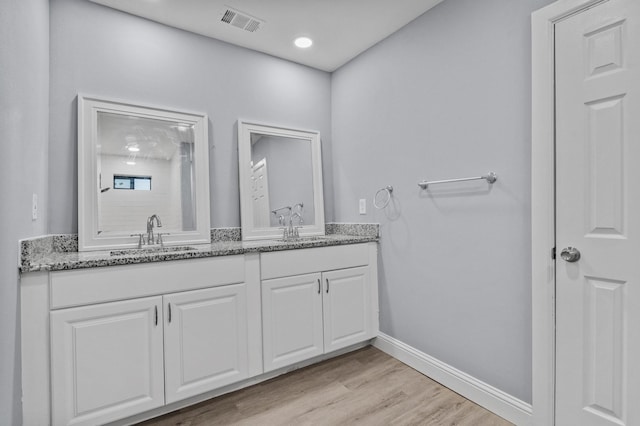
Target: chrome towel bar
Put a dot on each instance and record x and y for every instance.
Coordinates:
(490, 177)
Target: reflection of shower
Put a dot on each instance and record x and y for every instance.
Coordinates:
(187, 184)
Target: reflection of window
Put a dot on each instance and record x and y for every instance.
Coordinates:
(141, 183)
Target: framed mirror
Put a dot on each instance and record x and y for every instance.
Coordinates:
(135, 162)
(280, 172)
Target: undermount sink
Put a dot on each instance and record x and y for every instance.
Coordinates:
(303, 239)
(150, 250)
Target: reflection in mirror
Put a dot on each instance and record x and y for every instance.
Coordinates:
(281, 176)
(280, 182)
(148, 164)
(136, 163)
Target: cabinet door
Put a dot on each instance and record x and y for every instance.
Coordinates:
(206, 344)
(347, 307)
(106, 361)
(291, 320)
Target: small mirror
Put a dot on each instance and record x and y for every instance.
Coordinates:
(280, 173)
(142, 171)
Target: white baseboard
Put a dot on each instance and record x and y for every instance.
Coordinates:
(487, 396)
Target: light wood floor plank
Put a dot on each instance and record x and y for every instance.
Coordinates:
(366, 387)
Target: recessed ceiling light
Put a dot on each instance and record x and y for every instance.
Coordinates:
(133, 149)
(131, 163)
(303, 42)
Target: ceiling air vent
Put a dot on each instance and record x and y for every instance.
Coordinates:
(241, 20)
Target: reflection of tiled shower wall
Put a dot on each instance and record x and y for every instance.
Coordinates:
(174, 217)
(128, 210)
(186, 178)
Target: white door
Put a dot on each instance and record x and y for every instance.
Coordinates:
(598, 213)
(260, 194)
(206, 343)
(346, 307)
(291, 320)
(106, 361)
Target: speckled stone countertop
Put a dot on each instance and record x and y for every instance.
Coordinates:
(60, 252)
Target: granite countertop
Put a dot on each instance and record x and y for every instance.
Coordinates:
(59, 252)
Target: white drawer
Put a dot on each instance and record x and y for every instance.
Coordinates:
(304, 261)
(97, 285)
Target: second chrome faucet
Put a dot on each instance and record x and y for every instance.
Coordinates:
(290, 231)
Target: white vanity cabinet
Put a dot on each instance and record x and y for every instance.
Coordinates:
(331, 307)
(118, 341)
(291, 320)
(110, 360)
(347, 307)
(127, 342)
(106, 361)
(205, 340)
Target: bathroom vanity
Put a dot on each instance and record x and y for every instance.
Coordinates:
(117, 327)
(123, 336)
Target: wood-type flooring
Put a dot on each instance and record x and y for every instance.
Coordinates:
(365, 387)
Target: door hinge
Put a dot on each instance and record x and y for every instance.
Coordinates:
(553, 253)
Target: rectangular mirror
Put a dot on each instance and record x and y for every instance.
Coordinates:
(141, 171)
(280, 172)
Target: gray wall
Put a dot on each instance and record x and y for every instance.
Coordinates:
(447, 96)
(24, 99)
(103, 52)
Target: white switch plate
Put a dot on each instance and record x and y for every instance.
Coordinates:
(363, 206)
(34, 207)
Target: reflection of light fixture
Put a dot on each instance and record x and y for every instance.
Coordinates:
(180, 127)
(303, 42)
(133, 148)
(131, 160)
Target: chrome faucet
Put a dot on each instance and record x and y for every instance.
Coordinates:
(150, 239)
(288, 230)
(293, 231)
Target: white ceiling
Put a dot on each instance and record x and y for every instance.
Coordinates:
(155, 139)
(340, 29)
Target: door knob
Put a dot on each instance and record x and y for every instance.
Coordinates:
(570, 254)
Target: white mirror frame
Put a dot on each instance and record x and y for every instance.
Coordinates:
(249, 231)
(88, 237)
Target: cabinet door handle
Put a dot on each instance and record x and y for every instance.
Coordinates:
(156, 315)
(169, 307)
(319, 286)
(327, 279)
